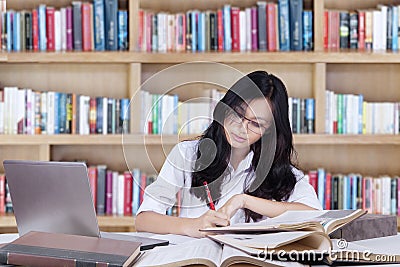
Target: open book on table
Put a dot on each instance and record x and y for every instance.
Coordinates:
(204, 252)
(303, 246)
(326, 221)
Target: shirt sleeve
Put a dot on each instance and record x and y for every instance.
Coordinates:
(303, 192)
(161, 194)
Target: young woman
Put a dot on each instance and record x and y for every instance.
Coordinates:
(245, 157)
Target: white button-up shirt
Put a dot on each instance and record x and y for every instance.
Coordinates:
(176, 175)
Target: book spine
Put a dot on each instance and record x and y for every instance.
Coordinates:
(262, 25)
(76, 24)
(344, 29)
(271, 27)
(128, 183)
(101, 189)
(353, 30)
(110, 12)
(69, 19)
(220, 30)
(122, 30)
(307, 30)
(99, 41)
(235, 30)
(50, 29)
(86, 30)
(296, 24)
(284, 31)
(227, 28)
(109, 192)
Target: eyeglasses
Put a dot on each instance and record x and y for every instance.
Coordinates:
(253, 126)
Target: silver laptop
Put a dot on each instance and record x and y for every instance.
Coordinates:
(55, 197)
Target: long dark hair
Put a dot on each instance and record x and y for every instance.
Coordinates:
(274, 177)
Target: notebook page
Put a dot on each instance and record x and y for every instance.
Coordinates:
(184, 253)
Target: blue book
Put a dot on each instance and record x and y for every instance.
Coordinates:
(42, 28)
(310, 115)
(10, 17)
(194, 14)
(307, 30)
(17, 31)
(111, 28)
(56, 113)
(62, 112)
(395, 28)
(98, 23)
(284, 22)
(122, 30)
(136, 190)
(360, 113)
(201, 33)
(99, 114)
(227, 28)
(321, 186)
(125, 115)
(154, 33)
(353, 188)
(296, 24)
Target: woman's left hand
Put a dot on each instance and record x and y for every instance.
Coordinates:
(233, 205)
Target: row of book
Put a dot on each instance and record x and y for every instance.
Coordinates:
(269, 26)
(351, 114)
(83, 26)
(302, 115)
(378, 195)
(24, 111)
(165, 114)
(113, 193)
(376, 29)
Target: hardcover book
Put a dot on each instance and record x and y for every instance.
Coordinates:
(50, 249)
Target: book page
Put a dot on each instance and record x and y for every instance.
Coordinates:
(200, 251)
(231, 256)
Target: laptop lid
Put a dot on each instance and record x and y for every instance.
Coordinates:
(51, 197)
(55, 197)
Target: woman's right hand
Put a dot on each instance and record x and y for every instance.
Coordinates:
(211, 218)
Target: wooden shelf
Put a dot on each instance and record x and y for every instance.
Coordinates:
(343, 56)
(138, 139)
(106, 223)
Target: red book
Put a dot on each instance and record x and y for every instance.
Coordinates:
(313, 176)
(328, 191)
(361, 29)
(128, 183)
(326, 29)
(271, 26)
(92, 174)
(141, 30)
(149, 19)
(35, 30)
(93, 115)
(50, 28)
(220, 29)
(86, 27)
(2, 193)
(334, 38)
(235, 29)
(143, 185)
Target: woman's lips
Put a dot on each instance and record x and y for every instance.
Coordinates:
(238, 138)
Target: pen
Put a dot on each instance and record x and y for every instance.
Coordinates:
(210, 201)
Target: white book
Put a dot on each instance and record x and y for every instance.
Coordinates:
(242, 30)
(376, 30)
(84, 107)
(383, 29)
(29, 111)
(115, 190)
(396, 117)
(19, 124)
(50, 112)
(57, 30)
(120, 195)
(105, 115)
(63, 28)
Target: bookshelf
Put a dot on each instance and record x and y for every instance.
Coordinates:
(120, 74)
